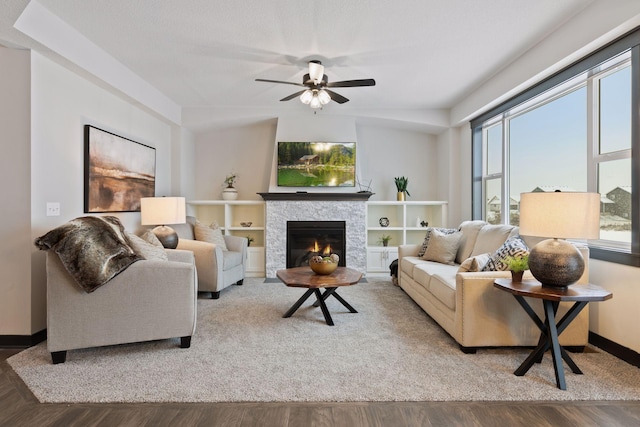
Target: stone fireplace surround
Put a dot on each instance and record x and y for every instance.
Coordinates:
(283, 207)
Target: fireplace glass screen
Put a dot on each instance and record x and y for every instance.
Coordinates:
(309, 238)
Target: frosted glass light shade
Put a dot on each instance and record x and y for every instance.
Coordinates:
(306, 97)
(315, 102)
(162, 210)
(324, 97)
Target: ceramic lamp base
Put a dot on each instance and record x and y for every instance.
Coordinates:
(556, 263)
(167, 236)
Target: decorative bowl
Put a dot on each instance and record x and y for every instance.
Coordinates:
(324, 265)
(246, 223)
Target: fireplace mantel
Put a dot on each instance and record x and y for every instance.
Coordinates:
(305, 196)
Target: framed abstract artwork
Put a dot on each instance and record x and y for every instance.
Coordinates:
(117, 172)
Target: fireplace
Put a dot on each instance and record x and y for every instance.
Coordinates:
(315, 207)
(309, 238)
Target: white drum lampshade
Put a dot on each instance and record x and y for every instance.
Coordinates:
(161, 211)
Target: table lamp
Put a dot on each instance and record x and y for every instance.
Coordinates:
(161, 211)
(557, 216)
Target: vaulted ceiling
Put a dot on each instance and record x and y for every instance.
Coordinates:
(205, 55)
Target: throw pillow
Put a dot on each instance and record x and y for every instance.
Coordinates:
(151, 238)
(145, 249)
(490, 237)
(470, 230)
(425, 243)
(209, 234)
(514, 246)
(473, 264)
(442, 247)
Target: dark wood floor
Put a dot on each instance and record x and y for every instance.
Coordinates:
(18, 407)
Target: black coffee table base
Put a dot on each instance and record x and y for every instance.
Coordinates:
(320, 298)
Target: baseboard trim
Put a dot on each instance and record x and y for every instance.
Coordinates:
(623, 353)
(22, 341)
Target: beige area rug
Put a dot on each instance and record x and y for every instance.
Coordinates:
(243, 350)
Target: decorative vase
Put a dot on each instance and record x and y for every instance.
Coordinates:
(229, 193)
(516, 276)
(401, 196)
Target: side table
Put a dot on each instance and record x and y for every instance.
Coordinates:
(580, 294)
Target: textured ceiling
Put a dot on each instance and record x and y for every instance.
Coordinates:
(206, 54)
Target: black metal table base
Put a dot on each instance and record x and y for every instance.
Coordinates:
(549, 338)
(320, 301)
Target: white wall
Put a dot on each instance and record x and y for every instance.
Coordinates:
(382, 154)
(15, 227)
(387, 152)
(454, 149)
(600, 22)
(61, 104)
(245, 150)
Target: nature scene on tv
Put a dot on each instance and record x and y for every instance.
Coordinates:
(316, 164)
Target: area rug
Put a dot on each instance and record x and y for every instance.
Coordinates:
(244, 351)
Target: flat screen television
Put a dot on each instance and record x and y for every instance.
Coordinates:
(316, 164)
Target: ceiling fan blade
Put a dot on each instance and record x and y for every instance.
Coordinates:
(293, 95)
(353, 83)
(336, 97)
(279, 81)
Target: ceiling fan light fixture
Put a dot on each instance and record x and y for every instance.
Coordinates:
(306, 96)
(324, 97)
(315, 101)
(316, 71)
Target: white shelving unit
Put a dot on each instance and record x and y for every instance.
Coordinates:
(229, 214)
(404, 228)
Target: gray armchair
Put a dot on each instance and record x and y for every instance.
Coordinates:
(217, 269)
(150, 300)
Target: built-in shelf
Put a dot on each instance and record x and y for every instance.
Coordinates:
(228, 214)
(403, 226)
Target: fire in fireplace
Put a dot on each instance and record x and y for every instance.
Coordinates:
(306, 239)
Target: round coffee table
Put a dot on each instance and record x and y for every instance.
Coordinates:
(304, 277)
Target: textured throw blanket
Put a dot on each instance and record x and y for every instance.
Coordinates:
(92, 249)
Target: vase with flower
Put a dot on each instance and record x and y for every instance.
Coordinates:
(230, 192)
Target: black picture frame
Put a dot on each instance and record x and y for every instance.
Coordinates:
(117, 172)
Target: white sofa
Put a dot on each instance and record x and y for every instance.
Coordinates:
(468, 306)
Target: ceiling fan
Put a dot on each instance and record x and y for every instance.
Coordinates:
(316, 83)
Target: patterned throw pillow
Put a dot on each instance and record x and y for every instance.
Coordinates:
(425, 243)
(513, 247)
(209, 234)
(146, 250)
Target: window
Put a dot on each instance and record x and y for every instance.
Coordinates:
(572, 132)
